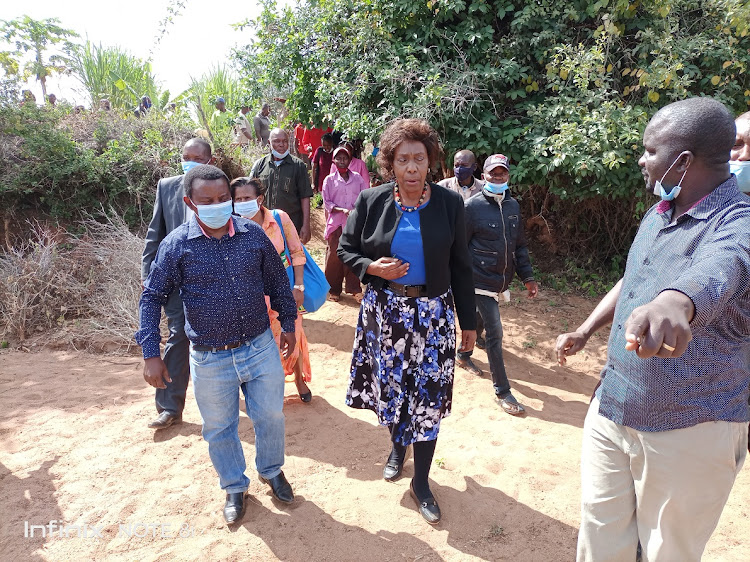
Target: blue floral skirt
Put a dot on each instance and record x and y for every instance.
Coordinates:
(402, 362)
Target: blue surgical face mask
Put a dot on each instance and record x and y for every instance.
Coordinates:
(247, 209)
(741, 169)
(496, 188)
(279, 155)
(463, 173)
(672, 194)
(189, 165)
(215, 216)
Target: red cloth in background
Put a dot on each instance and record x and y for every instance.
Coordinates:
(311, 140)
(299, 134)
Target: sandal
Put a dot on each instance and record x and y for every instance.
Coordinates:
(359, 297)
(510, 405)
(334, 298)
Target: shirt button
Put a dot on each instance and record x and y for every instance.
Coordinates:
(630, 294)
(619, 326)
(646, 262)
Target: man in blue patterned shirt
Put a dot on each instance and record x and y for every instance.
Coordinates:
(223, 266)
(666, 432)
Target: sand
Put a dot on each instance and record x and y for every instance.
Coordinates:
(75, 449)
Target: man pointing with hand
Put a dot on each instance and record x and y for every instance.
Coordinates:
(666, 432)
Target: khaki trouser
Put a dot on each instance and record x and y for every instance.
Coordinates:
(665, 489)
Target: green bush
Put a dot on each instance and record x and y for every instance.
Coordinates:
(564, 87)
(67, 165)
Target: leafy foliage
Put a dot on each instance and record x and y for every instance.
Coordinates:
(34, 38)
(66, 165)
(564, 87)
(115, 74)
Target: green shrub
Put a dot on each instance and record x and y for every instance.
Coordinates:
(564, 87)
(66, 165)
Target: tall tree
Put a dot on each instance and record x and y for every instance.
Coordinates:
(35, 38)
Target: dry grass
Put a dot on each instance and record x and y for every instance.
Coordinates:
(112, 300)
(86, 286)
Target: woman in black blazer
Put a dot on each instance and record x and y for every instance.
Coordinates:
(407, 241)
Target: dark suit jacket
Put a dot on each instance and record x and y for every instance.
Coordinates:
(372, 224)
(170, 212)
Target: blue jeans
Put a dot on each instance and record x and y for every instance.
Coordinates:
(176, 358)
(488, 311)
(255, 368)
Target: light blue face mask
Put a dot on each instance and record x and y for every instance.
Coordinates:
(189, 165)
(247, 209)
(215, 216)
(496, 188)
(672, 194)
(741, 170)
(279, 155)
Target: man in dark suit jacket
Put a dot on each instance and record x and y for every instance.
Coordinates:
(170, 212)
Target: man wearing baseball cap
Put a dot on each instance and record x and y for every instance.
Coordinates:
(494, 232)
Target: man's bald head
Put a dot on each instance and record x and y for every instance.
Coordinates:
(277, 132)
(200, 145)
(702, 125)
(279, 141)
(464, 158)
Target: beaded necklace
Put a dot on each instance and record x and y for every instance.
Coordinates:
(405, 208)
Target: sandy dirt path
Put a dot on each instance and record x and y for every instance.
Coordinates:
(74, 448)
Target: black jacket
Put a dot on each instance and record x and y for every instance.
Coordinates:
(369, 231)
(497, 242)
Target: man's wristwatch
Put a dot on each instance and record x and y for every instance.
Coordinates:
(300, 288)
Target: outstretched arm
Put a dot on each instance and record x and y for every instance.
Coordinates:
(573, 342)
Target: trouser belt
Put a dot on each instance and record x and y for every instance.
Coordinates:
(226, 347)
(407, 290)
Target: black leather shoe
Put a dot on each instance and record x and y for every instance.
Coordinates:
(428, 508)
(164, 420)
(234, 508)
(392, 470)
(281, 489)
(306, 397)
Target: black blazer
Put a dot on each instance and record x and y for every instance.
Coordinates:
(370, 228)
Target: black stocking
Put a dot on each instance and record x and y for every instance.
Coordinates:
(398, 451)
(423, 453)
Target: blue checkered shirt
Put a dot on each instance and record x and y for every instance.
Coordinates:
(222, 282)
(704, 254)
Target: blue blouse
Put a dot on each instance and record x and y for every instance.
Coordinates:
(407, 246)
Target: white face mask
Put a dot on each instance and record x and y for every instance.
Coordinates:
(247, 209)
(675, 191)
(741, 169)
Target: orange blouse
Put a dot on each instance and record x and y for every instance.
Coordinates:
(272, 230)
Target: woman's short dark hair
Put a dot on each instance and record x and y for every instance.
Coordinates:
(406, 130)
(257, 185)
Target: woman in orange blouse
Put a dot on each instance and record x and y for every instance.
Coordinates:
(248, 195)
